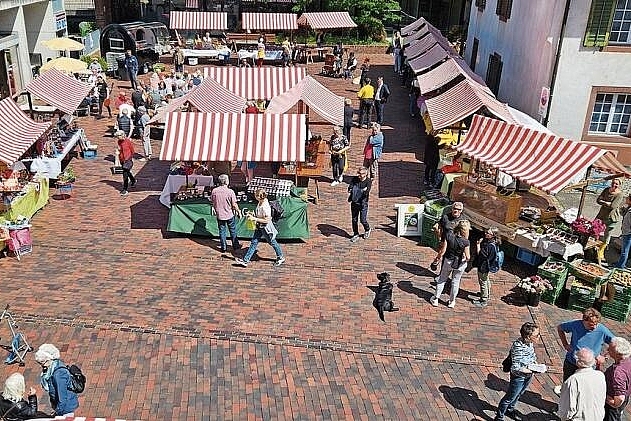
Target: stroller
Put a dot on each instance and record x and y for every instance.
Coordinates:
(19, 346)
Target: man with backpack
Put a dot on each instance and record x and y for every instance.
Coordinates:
(489, 260)
(58, 380)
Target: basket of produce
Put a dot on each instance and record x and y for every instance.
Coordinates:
(553, 269)
(620, 279)
(436, 207)
(588, 271)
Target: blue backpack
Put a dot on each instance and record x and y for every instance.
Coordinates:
(496, 264)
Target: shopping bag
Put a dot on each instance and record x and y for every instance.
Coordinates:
(250, 224)
(356, 80)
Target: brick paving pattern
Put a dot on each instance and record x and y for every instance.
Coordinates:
(166, 328)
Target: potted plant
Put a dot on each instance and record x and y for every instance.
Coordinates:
(67, 177)
(585, 228)
(532, 287)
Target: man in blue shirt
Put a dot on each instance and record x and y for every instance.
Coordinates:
(131, 64)
(373, 149)
(585, 333)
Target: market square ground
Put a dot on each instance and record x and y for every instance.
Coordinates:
(166, 328)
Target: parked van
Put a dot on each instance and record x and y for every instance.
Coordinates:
(146, 40)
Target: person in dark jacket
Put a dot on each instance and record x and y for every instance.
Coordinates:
(131, 64)
(55, 379)
(104, 93)
(348, 118)
(13, 406)
(137, 99)
(359, 194)
(486, 252)
(431, 159)
(124, 122)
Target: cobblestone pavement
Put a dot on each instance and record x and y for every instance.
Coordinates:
(167, 328)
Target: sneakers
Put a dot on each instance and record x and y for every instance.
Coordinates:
(237, 247)
(434, 301)
(340, 179)
(557, 390)
(124, 192)
(354, 238)
(481, 303)
(142, 159)
(133, 183)
(335, 183)
(241, 262)
(279, 261)
(367, 234)
(452, 304)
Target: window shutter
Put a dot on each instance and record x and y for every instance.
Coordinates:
(599, 23)
(503, 9)
(480, 4)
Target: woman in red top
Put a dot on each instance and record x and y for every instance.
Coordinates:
(251, 108)
(126, 156)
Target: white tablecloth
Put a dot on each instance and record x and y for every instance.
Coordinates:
(50, 167)
(174, 182)
(270, 55)
(207, 53)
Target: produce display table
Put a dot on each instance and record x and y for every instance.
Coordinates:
(34, 198)
(174, 182)
(50, 167)
(195, 216)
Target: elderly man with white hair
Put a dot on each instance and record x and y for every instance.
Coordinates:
(583, 393)
(55, 379)
(224, 202)
(618, 379)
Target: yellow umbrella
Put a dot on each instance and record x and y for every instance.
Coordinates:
(63, 44)
(65, 64)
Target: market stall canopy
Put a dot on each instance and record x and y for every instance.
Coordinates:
(19, 132)
(462, 100)
(422, 32)
(204, 21)
(423, 44)
(64, 64)
(540, 159)
(63, 44)
(324, 102)
(256, 82)
(230, 137)
(208, 97)
(269, 21)
(430, 58)
(48, 85)
(413, 27)
(326, 20)
(446, 72)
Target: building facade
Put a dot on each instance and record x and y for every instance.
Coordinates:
(24, 24)
(450, 16)
(564, 62)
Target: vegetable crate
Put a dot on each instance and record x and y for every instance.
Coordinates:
(589, 272)
(555, 271)
(428, 238)
(620, 279)
(582, 296)
(616, 310)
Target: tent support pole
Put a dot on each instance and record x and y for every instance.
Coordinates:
(581, 203)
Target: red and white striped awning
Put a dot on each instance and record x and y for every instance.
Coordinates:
(413, 27)
(421, 45)
(18, 133)
(428, 28)
(446, 72)
(211, 21)
(323, 102)
(326, 20)
(269, 21)
(257, 83)
(208, 97)
(230, 137)
(191, 4)
(462, 100)
(48, 85)
(430, 58)
(541, 159)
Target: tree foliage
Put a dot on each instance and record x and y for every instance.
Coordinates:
(369, 15)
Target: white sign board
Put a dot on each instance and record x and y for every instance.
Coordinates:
(409, 219)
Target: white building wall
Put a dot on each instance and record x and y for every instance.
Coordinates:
(581, 68)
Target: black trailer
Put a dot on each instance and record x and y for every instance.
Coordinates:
(146, 40)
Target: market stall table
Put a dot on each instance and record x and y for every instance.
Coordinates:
(209, 53)
(50, 167)
(302, 172)
(270, 55)
(33, 198)
(174, 182)
(195, 216)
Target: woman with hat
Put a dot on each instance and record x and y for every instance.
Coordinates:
(55, 381)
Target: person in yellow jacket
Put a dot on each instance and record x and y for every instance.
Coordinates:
(366, 97)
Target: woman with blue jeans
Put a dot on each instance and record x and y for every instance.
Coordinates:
(626, 235)
(522, 354)
(264, 229)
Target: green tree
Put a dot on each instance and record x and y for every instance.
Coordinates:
(369, 15)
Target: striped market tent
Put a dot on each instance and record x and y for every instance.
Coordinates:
(462, 100)
(257, 83)
(543, 160)
(323, 102)
(230, 136)
(423, 44)
(413, 27)
(212, 21)
(208, 97)
(269, 21)
(447, 71)
(192, 4)
(19, 131)
(326, 20)
(430, 58)
(48, 85)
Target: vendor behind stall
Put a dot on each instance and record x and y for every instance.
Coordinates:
(610, 201)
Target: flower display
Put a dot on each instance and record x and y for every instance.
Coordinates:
(584, 226)
(68, 176)
(534, 284)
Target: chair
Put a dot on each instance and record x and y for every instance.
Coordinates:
(329, 65)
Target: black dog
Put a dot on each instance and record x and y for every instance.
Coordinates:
(383, 298)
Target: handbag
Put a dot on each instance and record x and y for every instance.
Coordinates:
(507, 363)
(106, 102)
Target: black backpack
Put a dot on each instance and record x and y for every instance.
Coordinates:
(277, 211)
(77, 378)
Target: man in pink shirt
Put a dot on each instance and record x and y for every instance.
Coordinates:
(224, 202)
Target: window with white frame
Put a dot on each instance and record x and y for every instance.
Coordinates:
(621, 23)
(611, 114)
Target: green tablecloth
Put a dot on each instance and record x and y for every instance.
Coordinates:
(28, 204)
(194, 216)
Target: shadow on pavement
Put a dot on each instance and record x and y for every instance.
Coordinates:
(329, 230)
(406, 286)
(399, 171)
(467, 400)
(148, 213)
(529, 398)
(416, 270)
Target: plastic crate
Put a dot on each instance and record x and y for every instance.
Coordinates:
(510, 250)
(575, 270)
(529, 257)
(550, 296)
(89, 154)
(581, 297)
(616, 311)
(554, 276)
(623, 291)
